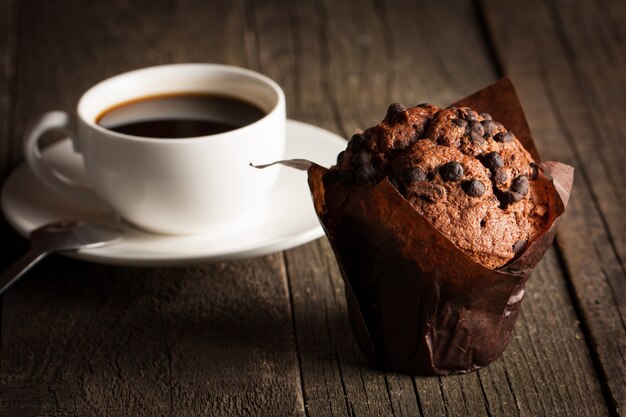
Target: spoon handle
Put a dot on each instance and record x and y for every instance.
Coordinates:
(15, 271)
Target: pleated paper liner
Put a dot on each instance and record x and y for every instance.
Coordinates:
(417, 303)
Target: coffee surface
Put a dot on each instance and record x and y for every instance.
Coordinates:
(179, 116)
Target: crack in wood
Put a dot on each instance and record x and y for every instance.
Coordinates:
(324, 45)
(443, 396)
(390, 46)
(482, 390)
(417, 397)
(546, 369)
(488, 38)
(598, 367)
(251, 36)
(288, 277)
(168, 356)
(616, 298)
(296, 96)
(590, 95)
(389, 395)
(507, 377)
(349, 407)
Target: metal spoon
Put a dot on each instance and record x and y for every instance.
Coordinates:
(59, 236)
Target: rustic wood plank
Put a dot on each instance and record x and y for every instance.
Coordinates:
(547, 364)
(569, 68)
(392, 48)
(207, 340)
(146, 331)
(89, 339)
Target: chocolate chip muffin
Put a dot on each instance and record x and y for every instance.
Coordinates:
(464, 172)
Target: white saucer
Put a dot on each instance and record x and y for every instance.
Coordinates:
(285, 220)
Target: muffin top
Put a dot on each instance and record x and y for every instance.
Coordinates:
(464, 172)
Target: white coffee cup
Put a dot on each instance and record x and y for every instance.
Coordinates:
(182, 186)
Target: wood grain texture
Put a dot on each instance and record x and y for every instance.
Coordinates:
(267, 336)
(212, 340)
(569, 69)
(84, 339)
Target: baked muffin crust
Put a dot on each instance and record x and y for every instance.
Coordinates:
(464, 172)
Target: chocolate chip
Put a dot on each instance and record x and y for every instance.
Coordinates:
(340, 157)
(519, 246)
(357, 142)
(413, 174)
(394, 181)
(490, 127)
(520, 185)
(473, 188)
(471, 116)
(396, 108)
(330, 176)
(361, 158)
(485, 116)
(500, 176)
(492, 160)
(451, 171)
(364, 173)
(504, 137)
(534, 169)
(506, 198)
(425, 191)
(478, 128)
(357, 137)
(378, 159)
(460, 122)
(346, 177)
(511, 197)
(394, 112)
(477, 139)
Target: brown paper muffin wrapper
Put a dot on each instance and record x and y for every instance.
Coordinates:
(417, 303)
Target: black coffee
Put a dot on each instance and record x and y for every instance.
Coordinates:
(178, 116)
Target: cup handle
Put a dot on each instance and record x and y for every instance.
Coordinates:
(60, 121)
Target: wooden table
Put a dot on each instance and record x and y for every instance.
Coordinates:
(270, 336)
